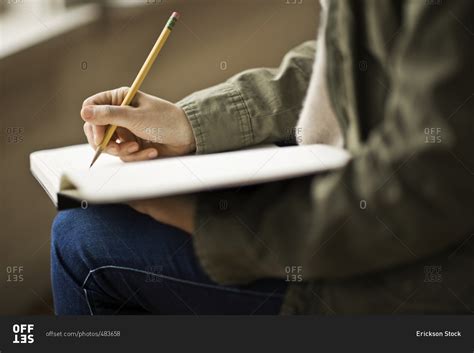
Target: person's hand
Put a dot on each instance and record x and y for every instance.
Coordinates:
(148, 128)
(177, 211)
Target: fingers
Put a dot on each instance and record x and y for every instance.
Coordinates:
(109, 115)
(94, 134)
(143, 155)
(125, 135)
(112, 148)
(127, 151)
(104, 109)
(126, 148)
(98, 133)
(113, 97)
(89, 135)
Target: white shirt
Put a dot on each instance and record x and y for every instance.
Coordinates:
(317, 122)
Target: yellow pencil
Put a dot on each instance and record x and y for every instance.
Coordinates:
(138, 80)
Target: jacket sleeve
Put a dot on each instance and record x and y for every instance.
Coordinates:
(407, 194)
(256, 106)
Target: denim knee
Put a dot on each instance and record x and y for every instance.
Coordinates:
(94, 236)
(75, 235)
(69, 227)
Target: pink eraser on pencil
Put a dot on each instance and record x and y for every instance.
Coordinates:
(175, 15)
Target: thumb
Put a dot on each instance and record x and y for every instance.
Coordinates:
(108, 115)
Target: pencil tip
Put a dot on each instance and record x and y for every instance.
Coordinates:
(97, 154)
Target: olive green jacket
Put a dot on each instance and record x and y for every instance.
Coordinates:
(393, 230)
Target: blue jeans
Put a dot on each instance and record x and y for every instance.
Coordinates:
(113, 260)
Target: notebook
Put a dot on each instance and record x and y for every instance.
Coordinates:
(65, 175)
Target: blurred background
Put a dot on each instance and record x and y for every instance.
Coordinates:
(56, 53)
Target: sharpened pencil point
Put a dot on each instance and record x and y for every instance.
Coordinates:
(97, 154)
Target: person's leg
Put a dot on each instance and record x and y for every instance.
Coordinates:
(112, 259)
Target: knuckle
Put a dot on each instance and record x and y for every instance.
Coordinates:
(123, 90)
(87, 101)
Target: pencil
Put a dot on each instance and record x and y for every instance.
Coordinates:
(160, 42)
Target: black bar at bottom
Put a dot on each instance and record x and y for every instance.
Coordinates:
(237, 334)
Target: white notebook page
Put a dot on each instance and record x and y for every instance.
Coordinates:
(111, 180)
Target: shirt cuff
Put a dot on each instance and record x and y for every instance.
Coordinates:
(219, 118)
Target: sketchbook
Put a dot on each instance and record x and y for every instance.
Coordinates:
(65, 175)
